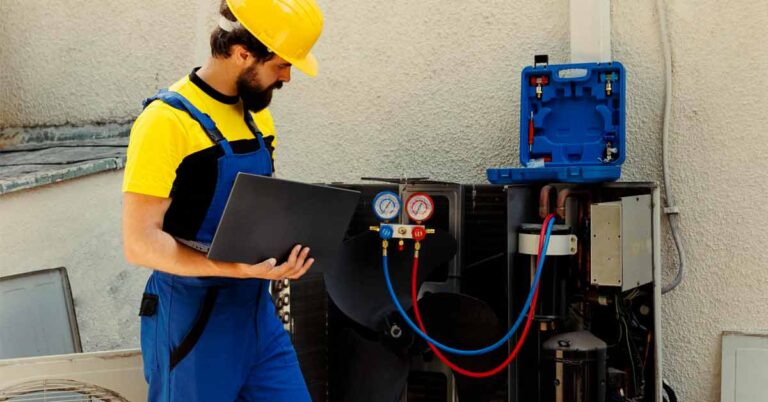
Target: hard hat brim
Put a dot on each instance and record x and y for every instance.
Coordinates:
(307, 65)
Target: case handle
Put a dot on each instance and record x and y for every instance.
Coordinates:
(572, 74)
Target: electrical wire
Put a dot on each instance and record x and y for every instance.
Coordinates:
(484, 260)
(474, 352)
(618, 340)
(631, 356)
(622, 315)
(523, 335)
(623, 324)
(669, 392)
(671, 209)
(632, 295)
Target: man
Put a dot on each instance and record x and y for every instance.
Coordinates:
(208, 329)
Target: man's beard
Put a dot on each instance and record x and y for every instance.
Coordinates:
(255, 97)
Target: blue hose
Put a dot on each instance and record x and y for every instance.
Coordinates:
(501, 342)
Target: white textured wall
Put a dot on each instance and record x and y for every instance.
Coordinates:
(76, 224)
(431, 87)
(78, 61)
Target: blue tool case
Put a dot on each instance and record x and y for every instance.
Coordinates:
(576, 115)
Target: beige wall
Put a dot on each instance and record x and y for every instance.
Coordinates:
(76, 224)
(419, 88)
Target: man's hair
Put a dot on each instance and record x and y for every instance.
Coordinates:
(222, 41)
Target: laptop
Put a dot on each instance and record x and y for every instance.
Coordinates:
(266, 217)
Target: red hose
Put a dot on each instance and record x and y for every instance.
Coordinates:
(523, 335)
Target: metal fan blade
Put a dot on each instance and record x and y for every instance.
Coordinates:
(464, 322)
(356, 284)
(368, 371)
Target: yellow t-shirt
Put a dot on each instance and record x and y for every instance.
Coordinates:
(163, 136)
(171, 156)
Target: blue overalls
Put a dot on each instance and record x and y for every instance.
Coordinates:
(217, 339)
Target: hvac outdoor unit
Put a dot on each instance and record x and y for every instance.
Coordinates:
(95, 377)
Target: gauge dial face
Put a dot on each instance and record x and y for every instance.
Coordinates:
(387, 205)
(420, 207)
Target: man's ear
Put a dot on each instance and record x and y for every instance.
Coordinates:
(240, 54)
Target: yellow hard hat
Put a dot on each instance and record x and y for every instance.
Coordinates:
(287, 27)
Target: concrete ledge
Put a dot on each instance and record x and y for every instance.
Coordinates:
(33, 157)
(44, 177)
(14, 136)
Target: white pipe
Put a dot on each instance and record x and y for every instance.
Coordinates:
(671, 209)
(590, 31)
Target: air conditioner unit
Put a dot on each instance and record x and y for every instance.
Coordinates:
(116, 376)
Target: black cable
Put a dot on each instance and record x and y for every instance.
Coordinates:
(631, 347)
(669, 393)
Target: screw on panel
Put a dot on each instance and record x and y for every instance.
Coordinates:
(395, 331)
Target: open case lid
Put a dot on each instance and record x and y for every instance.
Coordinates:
(577, 115)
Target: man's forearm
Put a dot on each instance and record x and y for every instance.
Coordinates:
(158, 250)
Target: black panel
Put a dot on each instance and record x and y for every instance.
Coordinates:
(309, 310)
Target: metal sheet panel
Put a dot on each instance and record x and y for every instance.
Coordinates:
(37, 316)
(606, 244)
(637, 241)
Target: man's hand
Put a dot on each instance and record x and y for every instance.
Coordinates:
(294, 268)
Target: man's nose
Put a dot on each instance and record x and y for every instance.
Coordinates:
(285, 75)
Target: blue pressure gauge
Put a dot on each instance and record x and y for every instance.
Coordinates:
(387, 205)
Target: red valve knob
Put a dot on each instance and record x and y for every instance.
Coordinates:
(539, 80)
(419, 233)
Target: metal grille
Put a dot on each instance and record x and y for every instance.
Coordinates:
(309, 315)
(52, 390)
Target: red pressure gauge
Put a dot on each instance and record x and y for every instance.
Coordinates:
(420, 207)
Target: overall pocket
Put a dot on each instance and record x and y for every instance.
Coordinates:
(196, 331)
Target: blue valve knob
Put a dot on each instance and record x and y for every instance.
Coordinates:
(386, 232)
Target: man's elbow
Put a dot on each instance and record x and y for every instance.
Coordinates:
(132, 252)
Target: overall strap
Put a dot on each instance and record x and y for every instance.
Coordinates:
(176, 100)
(254, 129)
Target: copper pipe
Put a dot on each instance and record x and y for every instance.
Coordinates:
(564, 194)
(585, 202)
(544, 200)
(647, 347)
